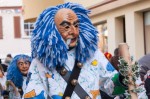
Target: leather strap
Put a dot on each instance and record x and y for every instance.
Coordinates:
(68, 77)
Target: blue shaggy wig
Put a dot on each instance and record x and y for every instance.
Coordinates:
(13, 72)
(48, 45)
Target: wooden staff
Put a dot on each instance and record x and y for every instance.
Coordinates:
(1, 87)
(124, 52)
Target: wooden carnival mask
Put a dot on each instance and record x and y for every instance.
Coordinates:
(23, 66)
(67, 24)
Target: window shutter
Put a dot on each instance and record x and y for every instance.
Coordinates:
(17, 27)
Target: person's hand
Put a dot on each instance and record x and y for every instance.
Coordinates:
(1, 87)
(9, 82)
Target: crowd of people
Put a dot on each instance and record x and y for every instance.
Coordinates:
(13, 76)
(66, 61)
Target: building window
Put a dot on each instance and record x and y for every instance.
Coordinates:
(28, 28)
(103, 36)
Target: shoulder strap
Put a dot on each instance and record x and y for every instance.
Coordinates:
(72, 84)
(74, 76)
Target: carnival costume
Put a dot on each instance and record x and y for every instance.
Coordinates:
(54, 62)
(14, 75)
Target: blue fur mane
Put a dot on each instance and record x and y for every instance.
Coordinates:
(13, 72)
(48, 45)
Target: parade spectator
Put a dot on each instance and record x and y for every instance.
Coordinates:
(16, 75)
(147, 83)
(4, 66)
(8, 59)
(144, 63)
(2, 82)
(114, 60)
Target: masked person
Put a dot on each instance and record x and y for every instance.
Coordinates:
(67, 62)
(17, 75)
(144, 63)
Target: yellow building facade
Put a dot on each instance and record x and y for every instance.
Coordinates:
(32, 8)
(116, 20)
(121, 21)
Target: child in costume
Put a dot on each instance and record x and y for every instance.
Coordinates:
(67, 62)
(17, 75)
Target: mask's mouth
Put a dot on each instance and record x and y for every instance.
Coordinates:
(68, 42)
(24, 72)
